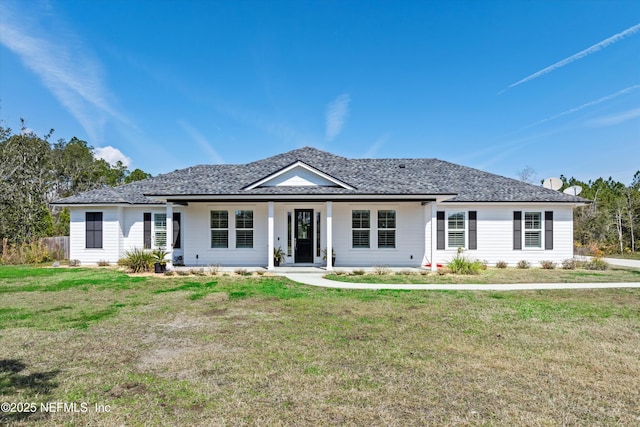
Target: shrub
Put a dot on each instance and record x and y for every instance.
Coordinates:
(169, 273)
(34, 252)
(182, 273)
(501, 264)
(103, 263)
(138, 260)
(198, 272)
(214, 269)
(523, 264)
(75, 263)
(569, 264)
(548, 265)
(404, 273)
(461, 264)
(596, 264)
(358, 272)
(442, 271)
(381, 270)
(242, 272)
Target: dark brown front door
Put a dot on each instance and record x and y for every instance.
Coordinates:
(304, 235)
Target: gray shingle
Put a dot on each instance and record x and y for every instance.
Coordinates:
(366, 176)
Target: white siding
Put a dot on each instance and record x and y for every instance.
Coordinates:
(110, 236)
(413, 234)
(495, 235)
(197, 236)
(410, 243)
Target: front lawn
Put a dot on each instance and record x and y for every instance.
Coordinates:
(497, 275)
(264, 350)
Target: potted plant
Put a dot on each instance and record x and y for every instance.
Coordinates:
(160, 263)
(333, 255)
(278, 256)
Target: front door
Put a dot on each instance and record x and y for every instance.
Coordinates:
(304, 235)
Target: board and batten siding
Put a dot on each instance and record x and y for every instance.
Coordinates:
(495, 234)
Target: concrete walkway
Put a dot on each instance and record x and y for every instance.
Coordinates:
(313, 277)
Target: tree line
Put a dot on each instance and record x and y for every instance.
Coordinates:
(611, 222)
(34, 172)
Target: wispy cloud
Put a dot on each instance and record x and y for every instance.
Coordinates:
(202, 141)
(373, 150)
(337, 113)
(616, 118)
(593, 49)
(585, 105)
(63, 64)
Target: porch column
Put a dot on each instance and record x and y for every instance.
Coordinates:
(329, 235)
(270, 234)
(434, 236)
(170, 233)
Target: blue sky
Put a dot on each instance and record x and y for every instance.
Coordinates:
(496, 85)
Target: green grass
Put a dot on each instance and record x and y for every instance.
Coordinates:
(498, 275)
(268, 351)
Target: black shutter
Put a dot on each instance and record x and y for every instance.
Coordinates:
(548, 230)
(147, 230)
(473, 230)
(517, 230)
(176, 230)
(440, 228)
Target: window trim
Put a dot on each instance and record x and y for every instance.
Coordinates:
(155, 230)
(465, 229)
(540, 231)
(393, 229)
(361, 229)
(212, 229)
(244, 229)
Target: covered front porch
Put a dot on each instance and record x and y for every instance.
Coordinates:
(309, 233)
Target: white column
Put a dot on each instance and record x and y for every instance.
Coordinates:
(270, 234)
(434, 236)
(170, 233)
(329, 235)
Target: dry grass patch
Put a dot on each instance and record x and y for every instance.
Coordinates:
(266, 351)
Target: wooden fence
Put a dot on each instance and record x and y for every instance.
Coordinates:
(58, 246)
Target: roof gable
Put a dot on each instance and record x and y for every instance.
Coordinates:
(299, 174)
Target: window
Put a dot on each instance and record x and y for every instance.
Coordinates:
(219, 229)
(318, 250)
(289, 233)
(160, 230)
(456, 230)
(244, 229)
(360, 224)
(386, 229)
(93, 230)
(533, 230)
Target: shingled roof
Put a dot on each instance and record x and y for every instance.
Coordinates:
(367, 177)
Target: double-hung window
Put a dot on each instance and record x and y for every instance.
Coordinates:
(387, 229)
(160, 230)
(533, 229)
(219, 229)
(360, 228)
(456, 230)
(244, 229)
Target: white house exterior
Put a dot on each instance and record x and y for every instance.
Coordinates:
(313, 204)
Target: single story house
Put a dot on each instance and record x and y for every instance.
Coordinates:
(314, 205)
